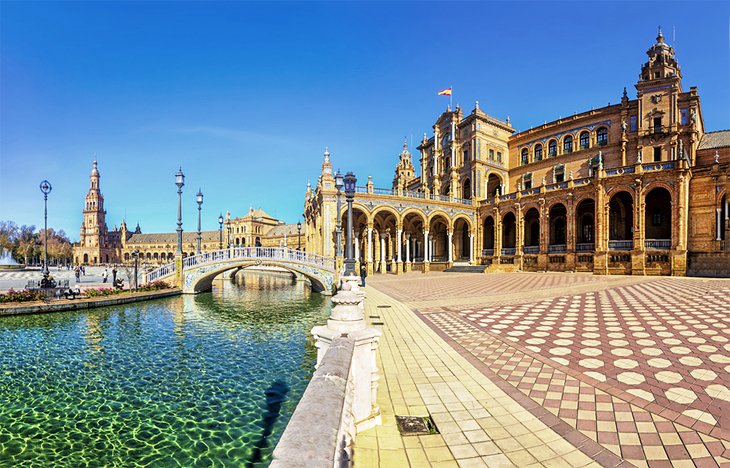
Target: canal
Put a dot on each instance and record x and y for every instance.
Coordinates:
(177, 381)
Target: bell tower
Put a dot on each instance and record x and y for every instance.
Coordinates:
(658, 92)
(93, 230)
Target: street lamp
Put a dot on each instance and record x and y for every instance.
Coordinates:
(220, 231)
(135, 256)
(228, 229)
(199, 199)
(179, 181)
(350, 181)
(46, 189)
(299, 236)
(339, 184)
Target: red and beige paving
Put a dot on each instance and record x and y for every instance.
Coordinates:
(625, 370)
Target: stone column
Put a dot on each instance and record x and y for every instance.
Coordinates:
(407, 264)
(426, 266)
(450, 248)
(719, 220)
(370, 250)
(399, 242)
(382, 254)
(471, 248)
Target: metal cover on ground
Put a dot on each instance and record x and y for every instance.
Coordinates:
(416, 425)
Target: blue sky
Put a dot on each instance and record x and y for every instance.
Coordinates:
(245, 96)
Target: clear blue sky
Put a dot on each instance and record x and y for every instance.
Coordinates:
(244, 96)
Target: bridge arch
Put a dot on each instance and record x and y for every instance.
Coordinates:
(202, 280)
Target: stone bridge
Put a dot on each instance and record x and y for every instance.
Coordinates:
(198, 271)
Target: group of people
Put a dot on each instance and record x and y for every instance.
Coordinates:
(80, 270)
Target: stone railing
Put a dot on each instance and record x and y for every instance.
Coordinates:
(163, 271)
(411, 194)
(340, 400)
(321, 430)
(658, 244)
(620, 245)
(531, 249)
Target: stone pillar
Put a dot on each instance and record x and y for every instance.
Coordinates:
(407, 264)
(347, 320)
(382, 255)
(179, 270)
(450, 248)
(426, 266)
(370, 250)
(357, 249)
(719, 220)
(471, 248)
(399, 242)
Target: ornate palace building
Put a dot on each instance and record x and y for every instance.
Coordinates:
(99, 245)
(638, 187)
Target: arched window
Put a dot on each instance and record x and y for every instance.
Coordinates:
(602, 136)
(552, 148)
(585, 140)
(568, 144)
(525, 156)
(538, 152)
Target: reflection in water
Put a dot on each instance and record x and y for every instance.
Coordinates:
(181, 378)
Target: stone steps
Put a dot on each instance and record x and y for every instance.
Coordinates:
(466, 269)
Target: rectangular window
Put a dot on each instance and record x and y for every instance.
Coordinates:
(499, 156)
(466, 155)
(656, 219)
(527, 181)
(491, 155)
(657, 124)
(559, 174)
(684, 116)
(657, 154)
(632, 123)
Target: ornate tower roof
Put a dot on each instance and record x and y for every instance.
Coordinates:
(662, 63)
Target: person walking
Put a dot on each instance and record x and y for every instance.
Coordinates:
(77, 274)
(363, 273)
(104, 275)
(114, 275)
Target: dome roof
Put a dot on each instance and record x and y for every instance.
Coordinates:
(94, 170)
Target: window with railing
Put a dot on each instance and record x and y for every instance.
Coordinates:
(584, 140)
(602, 136)
(568, 144)
(527, 181)
(657, 125)
(559, 173)
(552, 148)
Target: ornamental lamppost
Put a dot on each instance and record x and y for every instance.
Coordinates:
(339, 184)
(350, 181)
(46, 189)
(199, 199)
(299, 236)
(228, 228)
(179, 181)
(135, 256)
(220, 231)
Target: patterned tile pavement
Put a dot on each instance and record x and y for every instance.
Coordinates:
(642, 369)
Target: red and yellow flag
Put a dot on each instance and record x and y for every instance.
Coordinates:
(445, 92)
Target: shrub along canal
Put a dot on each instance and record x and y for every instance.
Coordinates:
(197, 380)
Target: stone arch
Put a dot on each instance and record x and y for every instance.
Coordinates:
(202, 279)
(585, 223)
(462, 229)
(494, 184)
(558, 216)
(438, 228)
(463, 216)
(621, 216)
(509, 230)
(435, 214)
(532, 228)
(488, 233)
(658, 216)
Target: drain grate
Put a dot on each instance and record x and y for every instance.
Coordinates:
(375, 316)
(416, 425)
(378, 323)
(383, 307)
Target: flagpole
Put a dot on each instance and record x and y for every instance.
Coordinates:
(451, 98)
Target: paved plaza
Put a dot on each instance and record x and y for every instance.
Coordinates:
(11, 279)
(552, 369)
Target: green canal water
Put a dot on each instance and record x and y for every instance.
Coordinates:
(173, 382)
